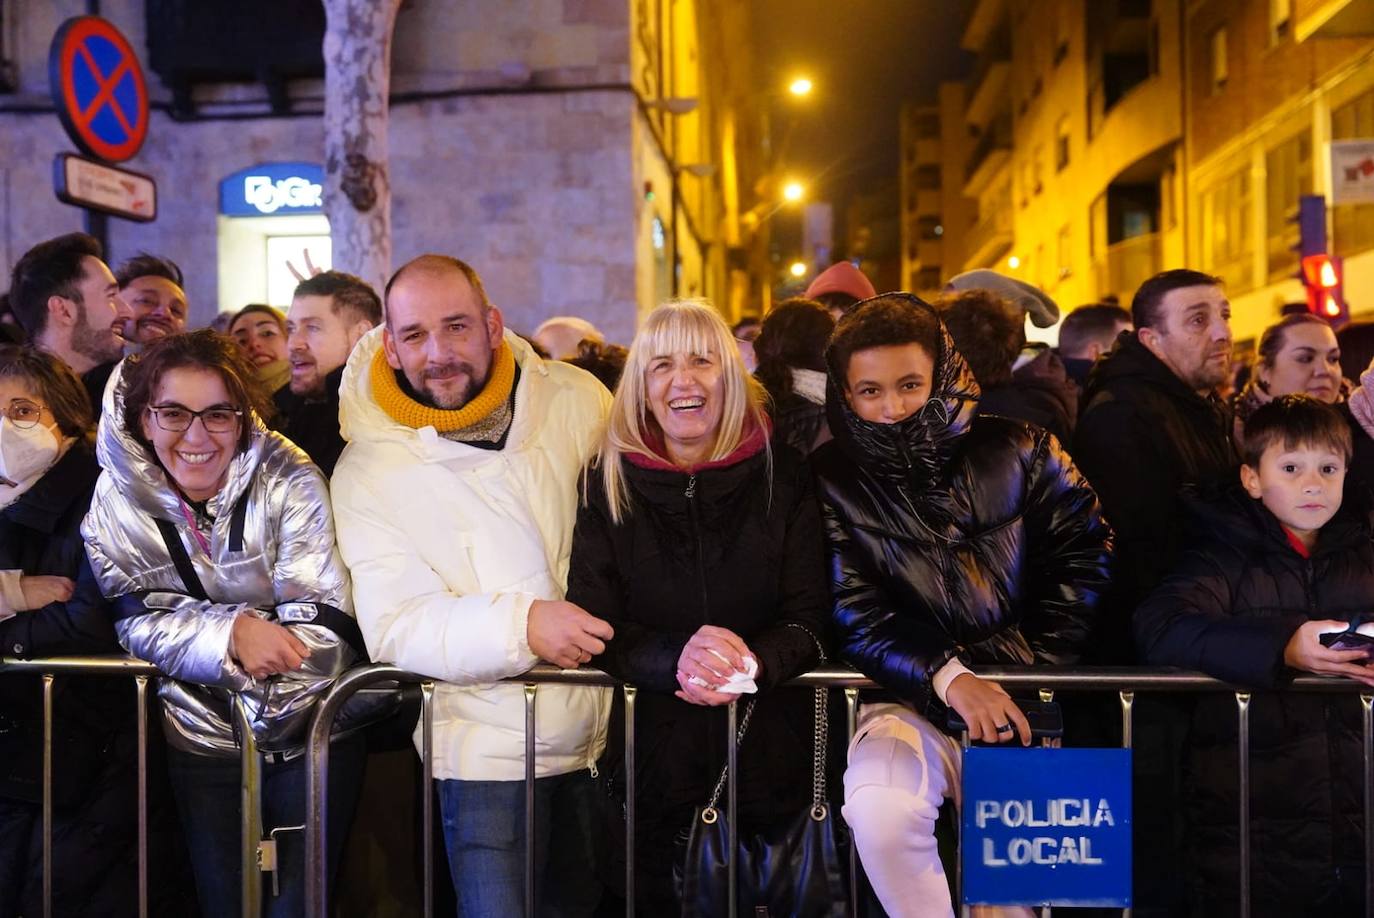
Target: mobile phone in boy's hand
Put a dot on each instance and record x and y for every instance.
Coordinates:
(1349, 640)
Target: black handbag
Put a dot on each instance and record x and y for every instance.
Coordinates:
(791, 869)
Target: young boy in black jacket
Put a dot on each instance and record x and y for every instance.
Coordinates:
(1287, 558)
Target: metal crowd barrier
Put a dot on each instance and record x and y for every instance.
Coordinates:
(1126, 682)
(250, 783)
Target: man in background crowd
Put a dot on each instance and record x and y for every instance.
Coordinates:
(1087, 333)
(67, 301)
(153, 290)
(329, 313)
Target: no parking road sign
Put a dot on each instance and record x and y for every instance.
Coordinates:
(98, 88)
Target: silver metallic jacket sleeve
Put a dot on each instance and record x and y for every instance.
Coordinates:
(308, 566)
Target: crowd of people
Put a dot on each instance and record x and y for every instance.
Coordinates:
(906, 487)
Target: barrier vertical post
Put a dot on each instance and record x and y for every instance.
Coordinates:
(141, 699)
(427, 792)
(1127, 738)
(630, 694)
(530, 690)
(851, 708)
(1243, 724)
(250, 803)
(1367, 710)
(47, 794)
(731, 807)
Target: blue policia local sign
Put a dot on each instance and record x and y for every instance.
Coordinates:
(1047, 827)
(273, 189)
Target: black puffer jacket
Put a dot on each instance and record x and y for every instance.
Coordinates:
(1142, 436)
(40, 534)
(724, 547)
(1229, 610)
(956, 535)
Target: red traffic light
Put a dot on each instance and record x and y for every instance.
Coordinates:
(1321, 271)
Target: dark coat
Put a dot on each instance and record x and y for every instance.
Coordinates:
(1359, 476)
(1229, 610)
(728, 547)
(799, 423)
(95, 741)
(40, 534)
(313, 424)
(1143, 435)
(955, 534)
(1039, 393)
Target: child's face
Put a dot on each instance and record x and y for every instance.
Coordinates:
(1302, 487)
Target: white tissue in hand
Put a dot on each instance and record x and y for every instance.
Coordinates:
(739, 683)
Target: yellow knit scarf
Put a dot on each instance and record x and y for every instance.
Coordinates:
(405, 410)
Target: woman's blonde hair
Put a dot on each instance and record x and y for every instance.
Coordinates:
(677, 327)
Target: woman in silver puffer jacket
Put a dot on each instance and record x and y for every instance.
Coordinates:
(214, 538)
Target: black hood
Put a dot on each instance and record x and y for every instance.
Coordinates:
(916, 449)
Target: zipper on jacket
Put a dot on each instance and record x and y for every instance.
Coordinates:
(691, 494)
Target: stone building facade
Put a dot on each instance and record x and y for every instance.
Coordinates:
(531, 138)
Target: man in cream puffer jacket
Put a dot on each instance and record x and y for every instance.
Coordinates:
(455, 500)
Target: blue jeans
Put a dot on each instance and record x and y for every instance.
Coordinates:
(207, 795)
(484, 831)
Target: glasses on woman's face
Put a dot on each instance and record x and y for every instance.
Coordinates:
(23, 413)
(178, 418)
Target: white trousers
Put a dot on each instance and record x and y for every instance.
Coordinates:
(901, 768)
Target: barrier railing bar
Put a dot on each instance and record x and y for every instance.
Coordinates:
(47, 794)
(427, 791)
(1243, 725)
(141, 718)
(1124, 680)
(250, 804)
(732, 806)
(631, 693)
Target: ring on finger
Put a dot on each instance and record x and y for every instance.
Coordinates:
(1004, 729)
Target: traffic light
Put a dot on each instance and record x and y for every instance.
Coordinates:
(1321, 275)
(1320, 271)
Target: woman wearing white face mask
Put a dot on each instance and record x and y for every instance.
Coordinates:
(48, 468)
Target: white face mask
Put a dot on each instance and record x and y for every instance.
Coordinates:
(25, 454)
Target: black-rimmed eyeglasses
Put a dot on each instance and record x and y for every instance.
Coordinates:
(177, 419)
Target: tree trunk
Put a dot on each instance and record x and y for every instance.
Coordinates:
(357, 87)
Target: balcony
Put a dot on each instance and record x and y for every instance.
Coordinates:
(1126, 265)
(987, 89)
(990, 239)
(990, 155)
(1333, 19)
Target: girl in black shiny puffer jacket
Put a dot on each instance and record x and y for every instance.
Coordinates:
(956, 540)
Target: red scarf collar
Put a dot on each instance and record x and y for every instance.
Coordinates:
(755, 439)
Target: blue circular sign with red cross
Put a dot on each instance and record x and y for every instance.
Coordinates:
(98, 88)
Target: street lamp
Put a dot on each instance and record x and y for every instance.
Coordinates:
(793, 191)
(801, 86)
(798, 269)
(1013, 262)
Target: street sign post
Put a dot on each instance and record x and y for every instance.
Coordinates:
(101, 98)
(107, 189)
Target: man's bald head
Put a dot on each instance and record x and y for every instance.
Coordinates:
(434, 266)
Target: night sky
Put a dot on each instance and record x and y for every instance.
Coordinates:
(866, 57)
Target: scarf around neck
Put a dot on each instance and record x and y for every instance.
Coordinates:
(405, 410)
